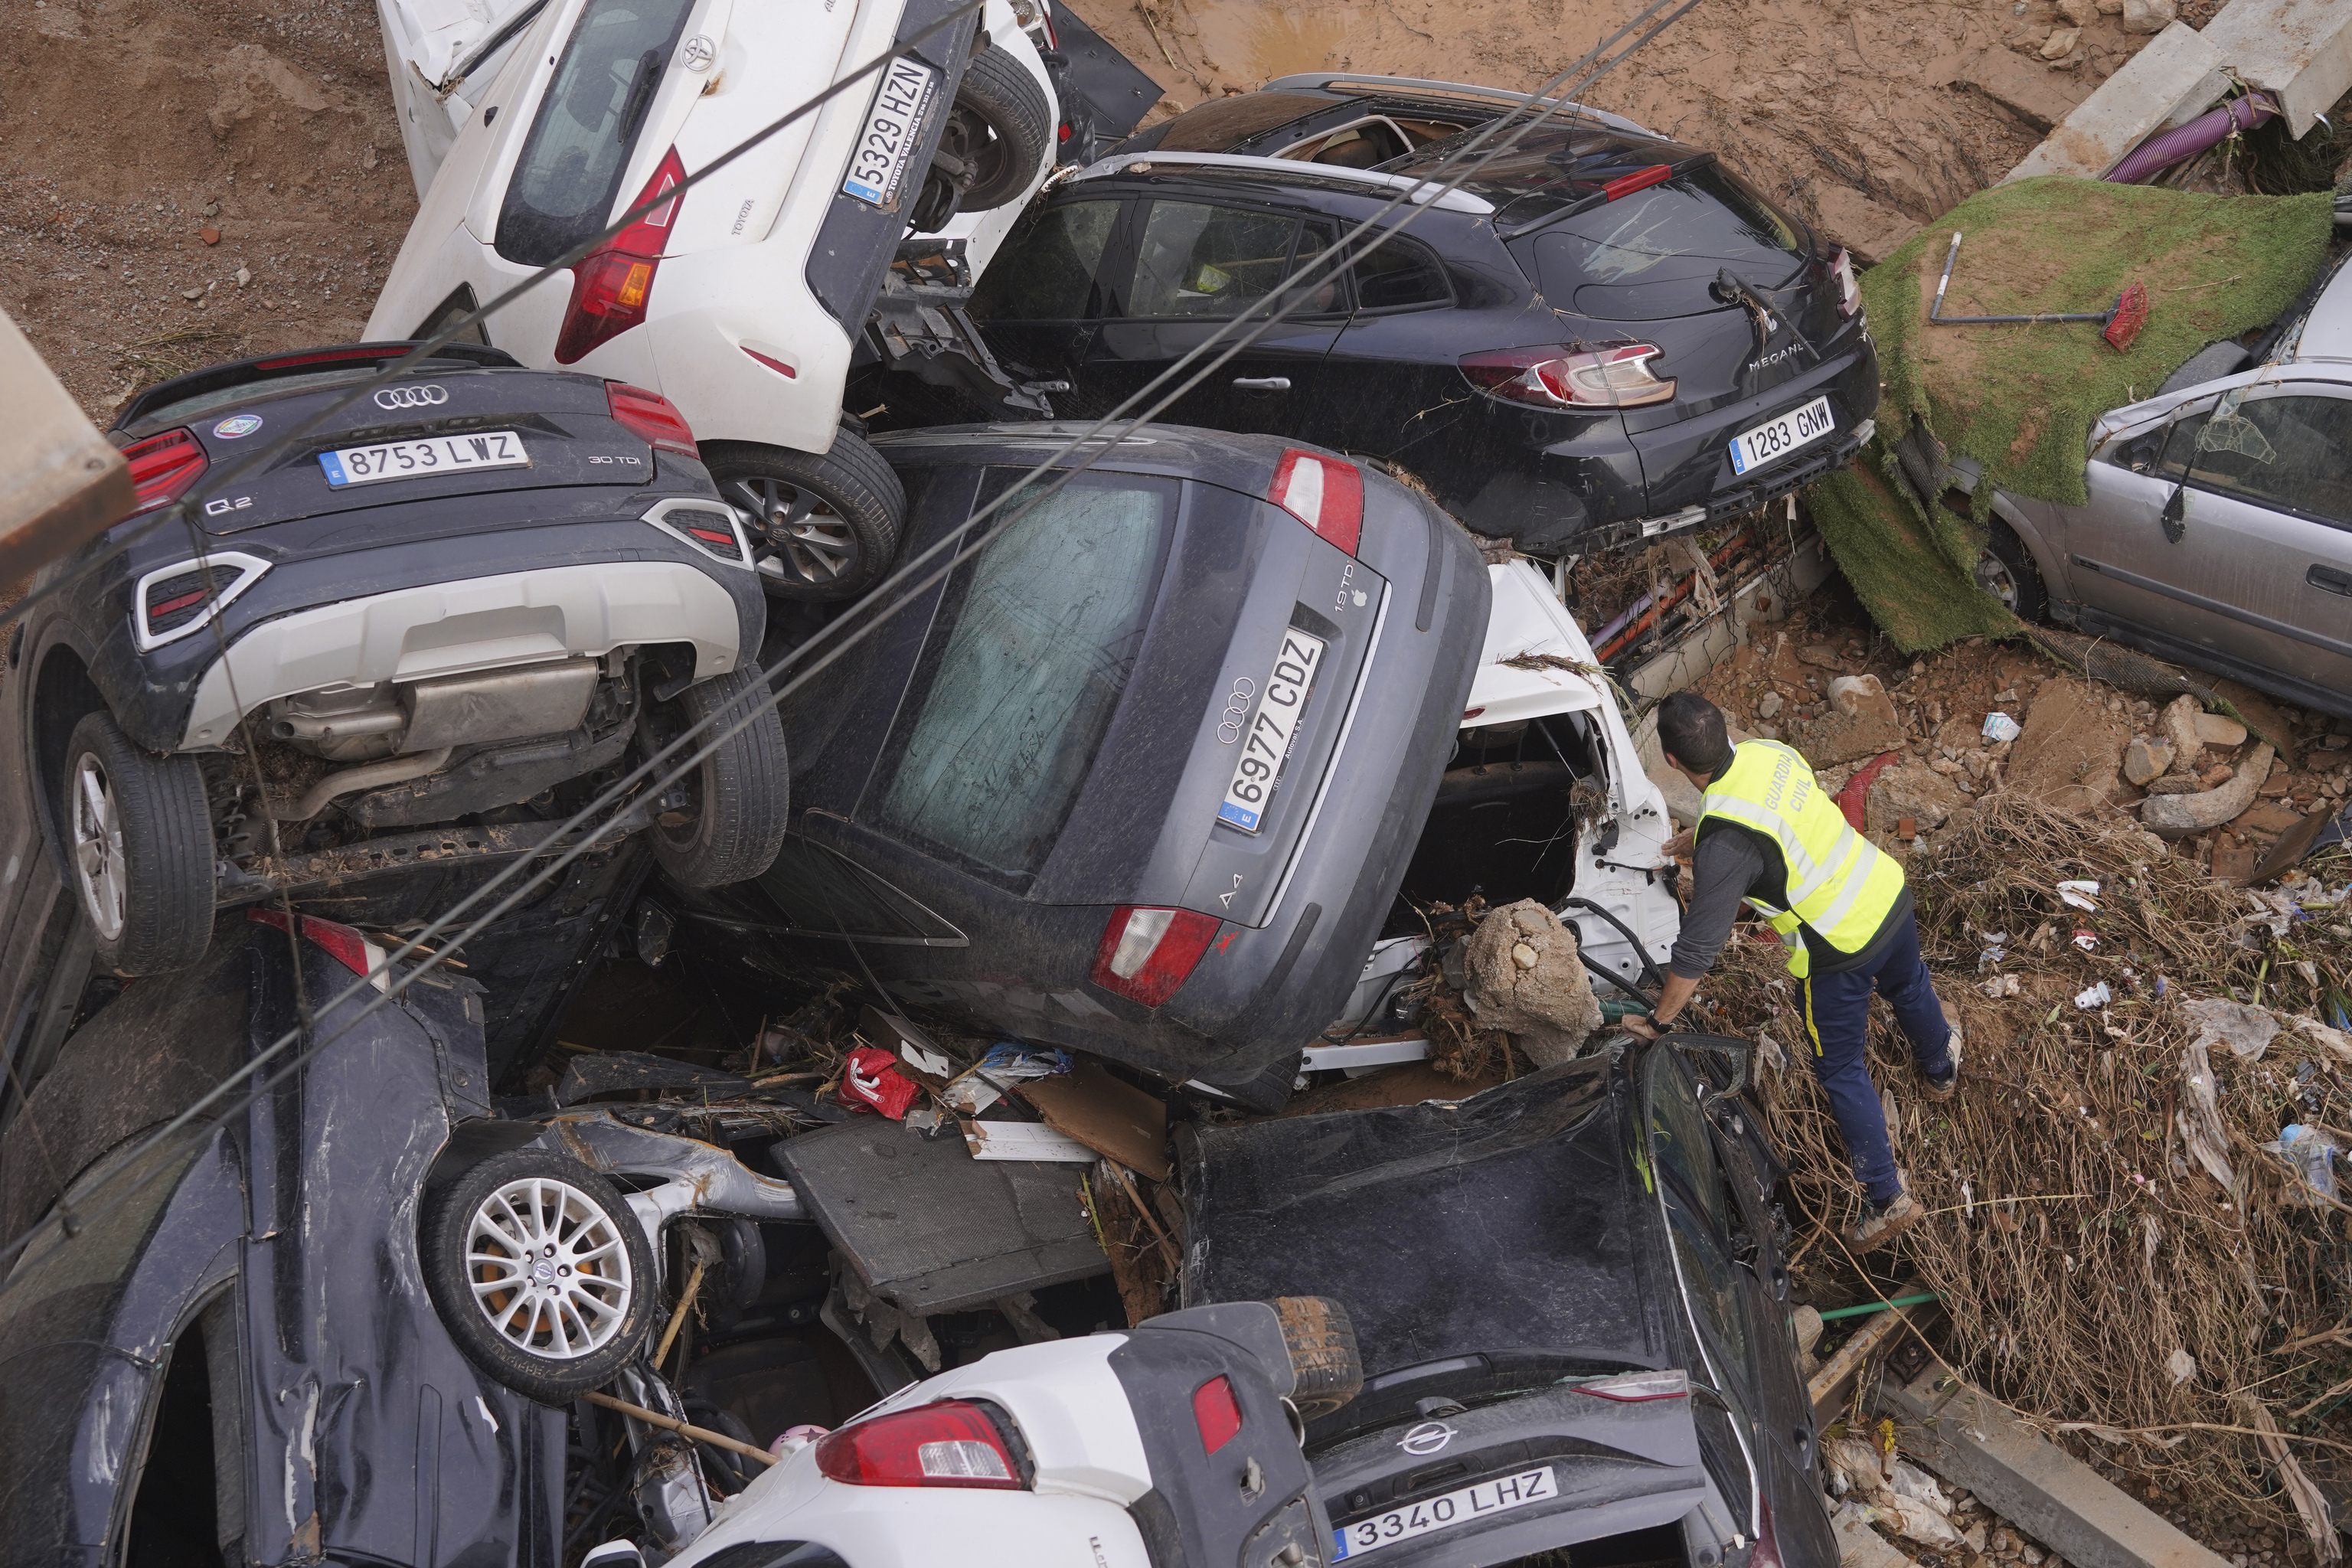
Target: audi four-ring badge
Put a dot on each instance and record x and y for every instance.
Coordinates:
(425, 397)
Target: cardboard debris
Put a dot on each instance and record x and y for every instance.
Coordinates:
(1105, 1114)
(1023, 1141)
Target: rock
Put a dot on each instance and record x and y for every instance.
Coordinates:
(2071, 747)
(2220, 730)
(2180, 816)
(2234, 860)
(1769, 705)
(2180, 724)
(1821, 656)
(1974, 1536)
(2078, 12)
(1945, 765)
(1910, 790)
(2110, 7)
(209, 235)
(1837, 737)
(2061, 43)
(1523, 955)
(192, 293)
(1856, 695)
(1546, 1007)
(2145, 761)
(2217, 775)
(2031, 1556)
(2175, 784)
(2263, 717)
(2149, 15)
(1807, 1321)
(244, 275)
(2266, 817)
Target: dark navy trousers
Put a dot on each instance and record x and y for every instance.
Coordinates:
(1837, 1021)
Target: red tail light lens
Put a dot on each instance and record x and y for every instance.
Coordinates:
(1324, 494)
(652, 418)
(346, 946)
(611, 284)
(951, 1444)
(1570, 378)
(1217, 1413)
(1849, 286)
(163, 466)
(1145, 953)
(1640, 180)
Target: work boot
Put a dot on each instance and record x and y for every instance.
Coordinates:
(1947, 1086)
(1882, 1223)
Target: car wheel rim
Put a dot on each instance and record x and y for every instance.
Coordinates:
(98, 862)
(806, 540)
(548, 1269)
(1994, 577)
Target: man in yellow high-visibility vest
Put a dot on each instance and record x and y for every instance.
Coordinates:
(1769, 836)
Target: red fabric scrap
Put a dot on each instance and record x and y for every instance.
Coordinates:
(1855, 796)
(871, 1081)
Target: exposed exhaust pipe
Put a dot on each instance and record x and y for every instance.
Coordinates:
(392, 770)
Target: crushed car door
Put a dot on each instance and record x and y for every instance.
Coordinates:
(1196, 269)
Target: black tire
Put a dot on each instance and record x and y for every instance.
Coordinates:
(1323, 1353)
(1002, 126)
(824, 528)
(2007, 572)
(726, 819)
(139, 842)
(576, 1214)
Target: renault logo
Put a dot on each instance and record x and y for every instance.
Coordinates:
(1426, 1438)
(427, 397)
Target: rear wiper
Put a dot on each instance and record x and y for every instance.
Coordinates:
(1733, 289)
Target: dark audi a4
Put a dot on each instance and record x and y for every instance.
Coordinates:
(1601, 336)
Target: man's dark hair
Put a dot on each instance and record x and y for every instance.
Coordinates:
(1690, 729)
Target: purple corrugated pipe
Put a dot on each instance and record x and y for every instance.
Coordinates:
(2158, 153)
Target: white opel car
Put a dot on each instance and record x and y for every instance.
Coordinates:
(744, 299)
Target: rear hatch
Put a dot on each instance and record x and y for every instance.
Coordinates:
(450, 429)
(1160, 632)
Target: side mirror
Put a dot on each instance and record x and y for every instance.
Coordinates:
(614, 1554)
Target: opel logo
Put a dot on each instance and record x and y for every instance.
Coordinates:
(1426, 1438)
(1229, 729)
(427, 397)
(698, 52)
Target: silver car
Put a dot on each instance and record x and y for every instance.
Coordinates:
(2218, 529)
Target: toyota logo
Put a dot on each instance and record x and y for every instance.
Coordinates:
(1229, 729)
(698, 52)
(427, 396)
(1426, 1438)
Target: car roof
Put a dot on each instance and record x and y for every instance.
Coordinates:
(1288, 176)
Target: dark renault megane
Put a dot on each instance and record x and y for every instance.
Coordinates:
(1602, 336)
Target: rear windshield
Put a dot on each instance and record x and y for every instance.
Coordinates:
(188, 408)
(1652, 254)
(570, 170)
(1021, 673)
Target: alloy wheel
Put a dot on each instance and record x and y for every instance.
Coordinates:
(805, 538)
(548, 1269)
(99, 866)
(1993, 575)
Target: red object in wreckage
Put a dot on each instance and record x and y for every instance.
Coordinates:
(871, 1081)
(1857, 793)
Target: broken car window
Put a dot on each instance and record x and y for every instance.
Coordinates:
(1045, 270)
(1021, 673)
(1196, 260)
(571, 167)
(2284, 452)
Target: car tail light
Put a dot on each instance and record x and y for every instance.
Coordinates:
(1617, 377)
(1636, 1388)
(172, 600)
(345, 945)
(950, 1444)
(611, 284)
(163, 466)
(1324, 494)
(1639, 180)
(1146, 953)
(1216, 1412)
(712, 530)
(652, 418)
(1849, 289)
